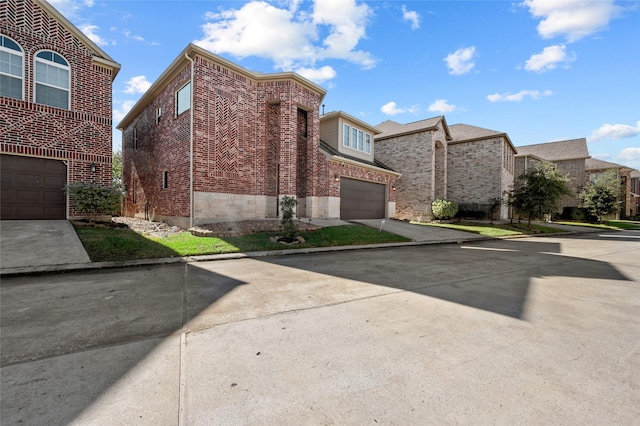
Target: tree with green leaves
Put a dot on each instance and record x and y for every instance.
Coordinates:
(601, 197)
(94, 199)
(289, 226)
(116, 170)
(537, 191)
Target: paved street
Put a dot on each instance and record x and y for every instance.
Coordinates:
(525, 331)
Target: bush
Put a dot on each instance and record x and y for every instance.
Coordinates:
(444, 209)
(94, 199)
(289, 226)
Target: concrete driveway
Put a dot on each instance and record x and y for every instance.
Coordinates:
(526, 331)
(419, 233)
(28, 243)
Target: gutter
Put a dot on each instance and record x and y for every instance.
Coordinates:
(191, 115)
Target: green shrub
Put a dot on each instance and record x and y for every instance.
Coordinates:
(94, 199)
(289, 226)
(444, 209)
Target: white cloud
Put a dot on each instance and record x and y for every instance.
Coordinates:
(318, 75)
(629, 154)
(549, 58)
(441, 105)
(391, 108)
(123, 109)
(574, 19)
(137, 84)
(69, 8)
(517, 97)
(461, 61)
(614, 131)
(91, 31)
(411, 16)
(255, 28)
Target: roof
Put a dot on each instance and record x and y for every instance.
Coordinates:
(99, 55)
(467, 133)
(184, 59)
(391, 128)
(595, 164)
(344, 115)
(375, 163)
(573, 149)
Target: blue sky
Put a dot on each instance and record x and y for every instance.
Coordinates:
(539, 70)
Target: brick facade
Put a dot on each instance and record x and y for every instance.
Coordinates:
(80, 136)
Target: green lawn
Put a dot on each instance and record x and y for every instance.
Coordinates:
(610, 224)
(104, 245)
(495, 230)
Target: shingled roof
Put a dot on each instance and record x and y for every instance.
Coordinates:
(335, 153)
(573, 149)
(595, 164)
(391, 128)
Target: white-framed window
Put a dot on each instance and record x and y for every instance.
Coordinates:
(355, 138)
(11, 68)
(345, 135)
(183, 99)
(53, 79)
(158, 115)
(165, 180)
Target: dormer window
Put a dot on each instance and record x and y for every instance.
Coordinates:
(356, 139)
(53, 80)
(11, 68)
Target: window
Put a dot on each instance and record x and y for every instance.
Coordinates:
(11, 69)
(135, 138)
(345, 135)
(158, 115)
(52, 80)
(183, 99)
(165, 179)
(356, 139)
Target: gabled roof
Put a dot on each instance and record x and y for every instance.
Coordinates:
(391, 128)
(467, 133)
(188, 54)
(595, 164)
(573, 149)
(99, 55)
(351, 118)
(375, 164)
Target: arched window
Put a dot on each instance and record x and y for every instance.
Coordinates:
(11, 68)
(52, 80)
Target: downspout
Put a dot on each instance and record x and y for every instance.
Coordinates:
(191, 115)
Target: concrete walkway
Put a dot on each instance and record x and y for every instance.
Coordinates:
(523, 331)
(420, 233)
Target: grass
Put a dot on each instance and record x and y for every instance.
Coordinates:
(496, 230)
(610, 224)
(106, 244)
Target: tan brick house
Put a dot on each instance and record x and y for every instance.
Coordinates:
(569, 156)
(594, 167)
(55, 111)
(466, 164)
(211, 141)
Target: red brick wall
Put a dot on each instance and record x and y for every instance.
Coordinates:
(81, 135)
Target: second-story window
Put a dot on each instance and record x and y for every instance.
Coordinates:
(53, 80)
(183, 99)
(11, 68)
(158, 115)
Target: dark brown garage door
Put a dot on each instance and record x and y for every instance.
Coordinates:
(361, 200)
(32, 188)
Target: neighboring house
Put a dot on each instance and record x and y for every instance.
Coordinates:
(211, 141)
(466, 164)
(569, 158)
(55, 111)
(595, 167)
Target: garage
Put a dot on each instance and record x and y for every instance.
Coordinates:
(361, 200)
(32, 188)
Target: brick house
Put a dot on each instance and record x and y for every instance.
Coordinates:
(594, 167)
(55, 111)
(466, 164)
(569, 157)
(211, 141)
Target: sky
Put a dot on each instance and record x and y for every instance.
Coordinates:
(538, 70)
